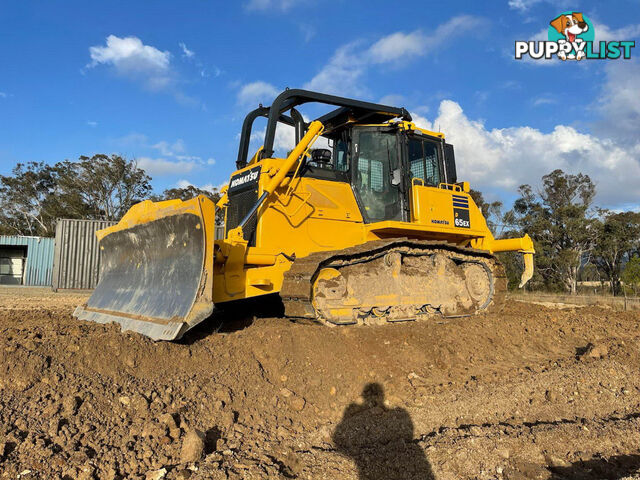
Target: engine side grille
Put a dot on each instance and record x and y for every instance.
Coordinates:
(239, 205)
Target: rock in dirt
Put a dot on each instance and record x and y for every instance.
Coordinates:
(192, 446)
(140, 403)
(169, 420)
(595, 351)
(556, 461)
(156, 474)
(71, 404)
(297, 403)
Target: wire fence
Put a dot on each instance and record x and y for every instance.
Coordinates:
(622, 303)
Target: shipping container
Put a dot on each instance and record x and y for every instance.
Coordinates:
(26, 260)
(77, 255)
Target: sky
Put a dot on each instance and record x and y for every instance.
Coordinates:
(168, 83)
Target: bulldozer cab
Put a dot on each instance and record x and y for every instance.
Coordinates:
(388, 161)
(383, 163)
(373, 147)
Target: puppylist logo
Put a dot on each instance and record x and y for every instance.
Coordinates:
(571, 37)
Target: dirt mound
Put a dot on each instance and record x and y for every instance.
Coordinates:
(530, 393)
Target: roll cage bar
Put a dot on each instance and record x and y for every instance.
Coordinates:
(289, 99)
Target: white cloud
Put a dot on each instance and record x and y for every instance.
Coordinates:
(92, 123)
(505, 158)
(605, 33)
(262, 5)
(308, 31)
(185, 51)
(211, 161)
(284, 140)
(397, 45)
(132, 59)
(344, 72)
(401, 45)
(544, 100)
(204, 73)
(132, 140)
(182, 183)
(162, 166)
(523, 5)
(3, 95)
(257, 92)
(511, 85)
(174, 157)
(169, 149)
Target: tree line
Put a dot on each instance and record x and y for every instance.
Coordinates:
(101, 187)
(574, 239)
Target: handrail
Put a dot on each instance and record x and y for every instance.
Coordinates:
(295, 120)
(450, 186)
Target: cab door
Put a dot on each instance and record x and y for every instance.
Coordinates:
(376, 176)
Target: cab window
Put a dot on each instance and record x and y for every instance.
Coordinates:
(423, 161)
(340, 156)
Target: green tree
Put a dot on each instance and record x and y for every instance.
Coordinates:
(188, 192)
(102, 186)
(25, 196)
(36, 194)
(492, 212)
(558, 218)
(618, 235)
(631, 273)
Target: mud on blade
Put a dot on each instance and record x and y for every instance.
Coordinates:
(153, 279)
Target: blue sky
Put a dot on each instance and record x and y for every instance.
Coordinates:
(168, 83)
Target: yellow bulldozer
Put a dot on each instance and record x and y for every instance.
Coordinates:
(371, 226)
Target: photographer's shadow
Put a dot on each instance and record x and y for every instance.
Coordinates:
(380, 440)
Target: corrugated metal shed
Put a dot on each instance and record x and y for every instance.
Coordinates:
(38, 267)
(77, 256)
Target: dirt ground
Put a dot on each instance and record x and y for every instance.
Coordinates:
(530, 393)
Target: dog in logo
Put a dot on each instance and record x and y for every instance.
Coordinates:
(570, 25)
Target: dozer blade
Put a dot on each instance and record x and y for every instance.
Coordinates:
(157, 268)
